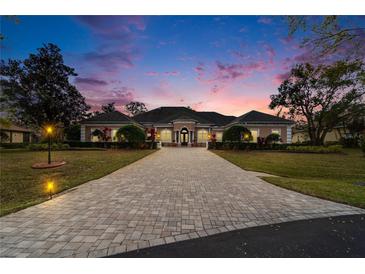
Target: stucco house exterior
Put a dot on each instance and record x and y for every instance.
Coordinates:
(16, 134)
(184, 126)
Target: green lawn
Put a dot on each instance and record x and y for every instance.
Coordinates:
(329, 176)
(22, 186)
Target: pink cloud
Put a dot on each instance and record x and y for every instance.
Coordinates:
(171, 73)
(200, 70)
(121, 96)
(113, 27)
(166, 73)
(197, 106)
(90, 81)
(264, 20)
(152, 73)
(279, 78)
(270, 52)
(112, 55)
(286, 40)
(111, 61)
(237, 71)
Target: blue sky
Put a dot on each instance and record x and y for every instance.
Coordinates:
(229, 64)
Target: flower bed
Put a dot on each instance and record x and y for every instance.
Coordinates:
(114, 145)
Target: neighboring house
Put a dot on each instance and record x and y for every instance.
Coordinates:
(184, 126)
(111, 120)
(301, 135)
(15, 134)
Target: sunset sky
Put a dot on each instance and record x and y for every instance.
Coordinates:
(228, 64)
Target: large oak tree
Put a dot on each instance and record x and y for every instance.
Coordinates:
(321, 96)
(37, 90)
(135, 108)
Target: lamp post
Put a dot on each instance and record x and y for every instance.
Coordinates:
(49, 131)
(50, 187)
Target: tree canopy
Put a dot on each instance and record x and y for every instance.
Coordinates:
(135, 108)
(237, 133)
(110, 107)
(321, 96)
(131, 133)
(37, 91)
(328, 35)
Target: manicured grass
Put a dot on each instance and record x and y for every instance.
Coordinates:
(328, 176)
(22, 186)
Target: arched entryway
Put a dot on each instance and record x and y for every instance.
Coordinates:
(184, 136)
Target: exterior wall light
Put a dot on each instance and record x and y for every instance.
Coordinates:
(50, 188)
(49, 131)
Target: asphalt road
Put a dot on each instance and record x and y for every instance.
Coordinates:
(326, 237)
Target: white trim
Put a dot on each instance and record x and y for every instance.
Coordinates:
(83, 130)
(288, 135)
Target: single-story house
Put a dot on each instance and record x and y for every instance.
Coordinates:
(184, 126)
(301, 135)
(15, 134)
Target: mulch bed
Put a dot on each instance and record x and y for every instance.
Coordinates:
(46, 165)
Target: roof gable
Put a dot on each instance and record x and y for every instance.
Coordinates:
(169, 114)
(256, 117)
(217, 118)
(114, 117)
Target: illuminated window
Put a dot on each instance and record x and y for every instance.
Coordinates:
(114, 135)
(202, 135)
(165, 135)
(276, 131)
(94, 138)
(255, 134)
(219, 136)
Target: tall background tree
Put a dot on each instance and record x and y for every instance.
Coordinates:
(37, 91)
(12, 18)
(330, 35)
(135, 108)
(321, 96)
(110, 107)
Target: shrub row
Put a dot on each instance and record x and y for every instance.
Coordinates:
(279, 147)
(245, 146)
(315, 149)
(54, 146)
(133, 145)
(13, 145)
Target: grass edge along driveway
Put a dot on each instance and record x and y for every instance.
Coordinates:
(327, 176)
(21, 186)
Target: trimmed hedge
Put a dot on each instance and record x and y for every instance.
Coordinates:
(54, 146)
(236, 134)
(132, 134)
(350, 142)
(115, 145)
(13, 145)
(246, 146)
(316, 149)
(278, 147)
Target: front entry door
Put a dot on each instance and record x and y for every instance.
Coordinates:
(184, 136)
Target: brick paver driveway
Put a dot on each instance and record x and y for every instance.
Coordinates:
(172, 195)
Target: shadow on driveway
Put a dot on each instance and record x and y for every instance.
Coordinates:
(326, 237)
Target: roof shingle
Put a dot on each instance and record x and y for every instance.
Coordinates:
(114, 117)
(256, 117)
